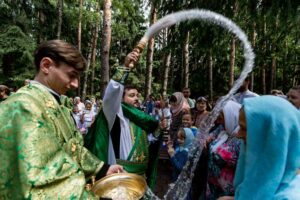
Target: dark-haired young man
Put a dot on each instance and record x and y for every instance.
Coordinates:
(42, 153)
(119, 134)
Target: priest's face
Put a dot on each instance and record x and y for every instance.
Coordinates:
(131, 97)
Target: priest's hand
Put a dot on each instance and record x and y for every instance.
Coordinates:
(132, 58)
(115, 169)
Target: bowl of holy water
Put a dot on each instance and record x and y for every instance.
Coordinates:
(120, 186)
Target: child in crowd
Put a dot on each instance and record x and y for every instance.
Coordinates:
(187, 122)
(201, 111)
(76, 115)
(88, 116)
(179, 155)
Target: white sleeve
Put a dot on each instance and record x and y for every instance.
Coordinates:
(112, 101)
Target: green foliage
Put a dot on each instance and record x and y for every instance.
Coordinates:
(16, 56)
(24, 24)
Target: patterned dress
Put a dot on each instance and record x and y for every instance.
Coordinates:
(221, 168)
(41, 151)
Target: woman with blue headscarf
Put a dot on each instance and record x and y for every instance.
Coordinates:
(179, 156)
(269, 162)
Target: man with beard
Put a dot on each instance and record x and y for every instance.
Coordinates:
(244, 92)
(119, 134)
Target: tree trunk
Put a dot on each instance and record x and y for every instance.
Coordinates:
(232, 61)
(60, 6)
(210, 75)
(42, 18)
(185, 61)
(253, 41)
(105, 45)
(232, 49)
(263, 71)
(79, 42)
(284, 70)
(95, 42)
(91, 59)
(263, 80)
(87, 70)
(150, 50)
(273, 74)
(79, 25)
(167, 62)
(273, 64)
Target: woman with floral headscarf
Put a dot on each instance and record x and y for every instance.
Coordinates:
(223, 154)
(178, 106)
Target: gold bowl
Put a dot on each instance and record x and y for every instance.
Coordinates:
(123, 186)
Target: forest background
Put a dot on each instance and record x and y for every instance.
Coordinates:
(193, 54)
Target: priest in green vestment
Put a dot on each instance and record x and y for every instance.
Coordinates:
(42, 153)
(119, 134)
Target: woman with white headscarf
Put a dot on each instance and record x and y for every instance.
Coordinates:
(223, 154)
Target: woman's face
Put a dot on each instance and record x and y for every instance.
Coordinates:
(173, 105)
(243, 125)
(201, 106)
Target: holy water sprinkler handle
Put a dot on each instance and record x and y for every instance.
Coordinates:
(138, 48)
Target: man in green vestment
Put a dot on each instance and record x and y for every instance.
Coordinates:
(119, 134)
(41, 151)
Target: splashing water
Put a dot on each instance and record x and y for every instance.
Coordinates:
(180, 189)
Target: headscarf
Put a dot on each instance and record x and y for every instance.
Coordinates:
(269, 160)
(181, 103)
(189, 137)
(231, 112)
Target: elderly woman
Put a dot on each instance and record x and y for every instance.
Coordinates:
(269, 162)
(223, 153)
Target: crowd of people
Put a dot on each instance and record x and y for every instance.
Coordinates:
(52, 145)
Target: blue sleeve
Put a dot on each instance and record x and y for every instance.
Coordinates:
(179, 160)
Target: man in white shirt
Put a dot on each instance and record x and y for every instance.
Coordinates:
(244, 92)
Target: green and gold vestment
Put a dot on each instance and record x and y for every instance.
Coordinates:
(42, 153)
(134, 123)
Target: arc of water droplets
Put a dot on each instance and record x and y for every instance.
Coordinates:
(181, 187)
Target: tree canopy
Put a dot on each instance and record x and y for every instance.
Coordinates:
(271, 26)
